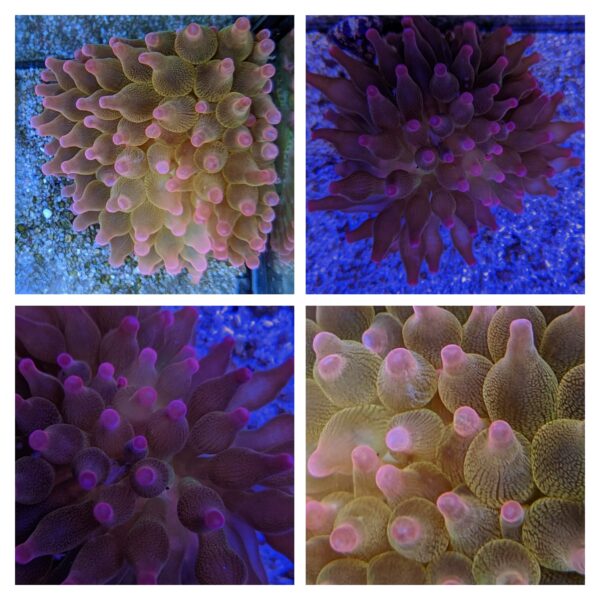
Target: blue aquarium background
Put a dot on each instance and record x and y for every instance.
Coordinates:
(50, 256)
(538, 252)
(264, 338)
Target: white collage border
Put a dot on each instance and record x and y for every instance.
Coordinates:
(300, 9)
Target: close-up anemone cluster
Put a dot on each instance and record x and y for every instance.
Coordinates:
(171, 142)
(145, 453)
(445, 445)
(430, 131)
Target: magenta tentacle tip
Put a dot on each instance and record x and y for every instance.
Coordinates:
(73, 384)
(140, 443)
(214, 519)
(512, 512)
(405, 531)
(145, 475)
(110, 419)
(39, 440)
(176, 409)
(345, 538)
(23, 554)
(87, 480)
(103, 513)
(399, 439)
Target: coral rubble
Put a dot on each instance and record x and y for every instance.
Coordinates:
(443, 448)
(134, 460)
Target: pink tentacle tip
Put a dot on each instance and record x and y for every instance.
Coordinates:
(153, 130)
(103, 513)
(228, 341)
(160, 112)
(440, 69)
(129, 325)
(193, 30)
(64, 360)
(27, 366)
(87, 480)
(146, 396)
(240, 416)
(316, 465)
(226, 66)
(150, 59)
(316, 515)
(73, 384)
(331, 367)
(399, 439)
(521, 335)
(145, 475)
(466, 421)
(578, 560)
(413, 126)
(500, 435)
(266, 46)
(247, 208)
(148, 356)
(122, 381)
(214, 519)
(273, 116)
(192, 365)
(365, 458)
(388, 479)
(406, 531)
(242, 24)
(24, 554)
(202, 106)
(512, 512)
(106, 370)
(400, 362)
(176, 409)
(162, 167)
(452, 355)
(243, 375)
(451, 506)
(139, 443)
(38, 440)
(345, 538)
(110, 419)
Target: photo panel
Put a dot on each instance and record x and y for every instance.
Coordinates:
(445, 445)
(445, 154)
(154, 445)
(154, 154)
